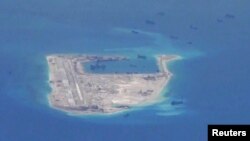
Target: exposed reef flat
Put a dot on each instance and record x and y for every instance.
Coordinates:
(78, 92)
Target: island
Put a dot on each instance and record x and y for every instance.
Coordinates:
(77, 91)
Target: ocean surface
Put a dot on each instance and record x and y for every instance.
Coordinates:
(212, 78)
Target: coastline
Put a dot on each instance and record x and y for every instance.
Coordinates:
(159, 97)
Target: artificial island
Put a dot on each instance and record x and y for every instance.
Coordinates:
(77, 91)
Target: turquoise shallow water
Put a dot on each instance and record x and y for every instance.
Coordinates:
(212, 78)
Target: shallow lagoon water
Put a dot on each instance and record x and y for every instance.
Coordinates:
(135, 65)
(212, 78)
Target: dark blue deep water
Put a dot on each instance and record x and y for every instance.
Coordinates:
(212, 78)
